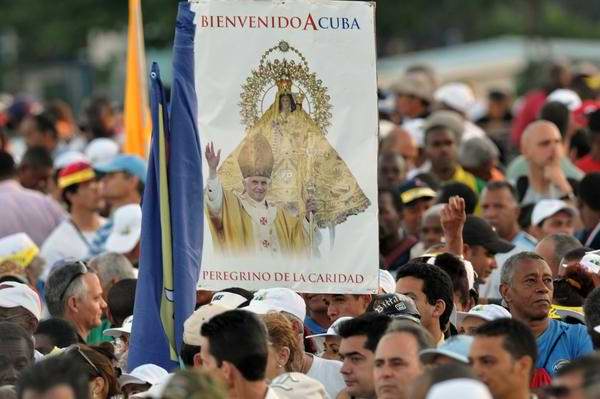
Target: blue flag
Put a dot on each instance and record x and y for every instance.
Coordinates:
(172, 212)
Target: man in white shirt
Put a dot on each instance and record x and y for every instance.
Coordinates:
(72, 238)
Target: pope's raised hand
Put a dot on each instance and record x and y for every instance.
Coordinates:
(212, 158)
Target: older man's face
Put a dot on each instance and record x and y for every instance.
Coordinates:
(529, 294)
(91, 305)
(15, 356)
(256, 187)
(397, 365)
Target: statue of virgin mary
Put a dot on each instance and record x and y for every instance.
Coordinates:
(305, 167)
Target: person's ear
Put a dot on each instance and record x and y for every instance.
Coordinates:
(134, 181)
(283, 355)
(524, 365)
(228, 371)
(366, 298)
(467, 251)
(72, 303)
(438, 309)
(98, 387)
(505, 293)
(197, 360)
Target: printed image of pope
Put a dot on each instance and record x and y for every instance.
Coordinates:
(305, 164)
(247, 224)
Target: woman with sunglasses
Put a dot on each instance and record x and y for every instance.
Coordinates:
(102, 375)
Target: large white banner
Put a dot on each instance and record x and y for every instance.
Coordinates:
(287, 103)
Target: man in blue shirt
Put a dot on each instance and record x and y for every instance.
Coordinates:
(123, 181)
(527, 287)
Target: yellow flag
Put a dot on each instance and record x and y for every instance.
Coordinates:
(138, 124)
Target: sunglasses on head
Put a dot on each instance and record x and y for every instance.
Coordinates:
(82, 270)
(76, 349)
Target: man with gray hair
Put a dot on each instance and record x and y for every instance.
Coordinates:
(397, 361)
(527, 287)
(74, 293)
(554, 247)
(111, 268)
(479, 155)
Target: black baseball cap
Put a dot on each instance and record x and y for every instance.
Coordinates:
(479, 232)
(415, 189)
(396, 306)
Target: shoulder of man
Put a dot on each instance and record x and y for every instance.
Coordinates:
(578, 337)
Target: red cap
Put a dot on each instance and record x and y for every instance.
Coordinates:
(75, 173)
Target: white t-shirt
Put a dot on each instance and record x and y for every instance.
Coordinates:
(65, 241)
(327, 372)
(491, 289)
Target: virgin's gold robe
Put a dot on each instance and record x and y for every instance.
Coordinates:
(305, 167)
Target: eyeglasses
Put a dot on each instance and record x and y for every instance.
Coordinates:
(82, 270)
(76, 349)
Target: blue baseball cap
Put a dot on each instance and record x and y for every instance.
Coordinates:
(131, 164)
(456, 347)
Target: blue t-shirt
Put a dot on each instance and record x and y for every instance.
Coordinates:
(561, 343)
(99, 241)
(313, 326)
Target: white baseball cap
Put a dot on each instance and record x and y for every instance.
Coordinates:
(118, 331)
(18, 248)
(228, 300)
(548, 207)
(193, 324)
(278, 299)
(386, 282)
(464, 388)
(101, 150)
(456, 347)
(333, 330)
(126, 230)
(486, 312)
(67, 158)
(14, 294)
(591, 262)
(597, 329)
(145, 374)
(567, 97)
(456, 95)
(298, 386)
(414, 127)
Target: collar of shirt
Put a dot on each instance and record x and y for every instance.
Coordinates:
(10, 185)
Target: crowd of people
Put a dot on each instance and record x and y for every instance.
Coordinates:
(489, 223)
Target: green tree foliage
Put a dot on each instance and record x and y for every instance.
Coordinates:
(58, 29)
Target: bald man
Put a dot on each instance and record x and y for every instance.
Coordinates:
(541, 145)
(400, 142)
